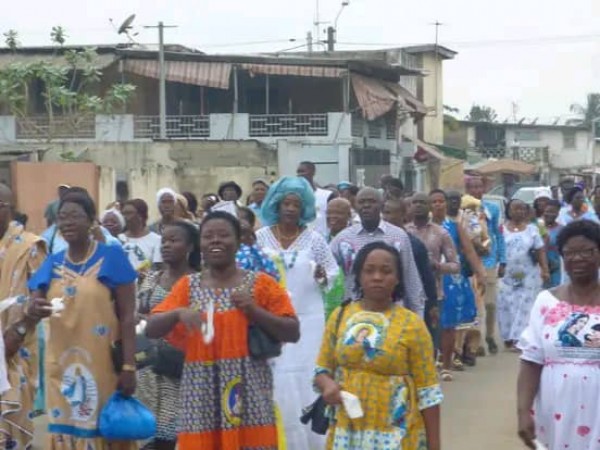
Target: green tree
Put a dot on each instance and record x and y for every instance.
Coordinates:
(481, 113)
(587, 112)
(450, 120)
(69, 90)
(11, 39)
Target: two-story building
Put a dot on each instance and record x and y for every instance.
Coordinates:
(556, 149)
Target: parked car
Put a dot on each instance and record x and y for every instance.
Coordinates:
(529, 194)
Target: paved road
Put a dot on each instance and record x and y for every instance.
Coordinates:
(479, 407)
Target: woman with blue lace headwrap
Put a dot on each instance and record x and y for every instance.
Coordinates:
(309, 268)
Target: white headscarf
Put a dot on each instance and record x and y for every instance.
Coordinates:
(116, 213)
(165, 191)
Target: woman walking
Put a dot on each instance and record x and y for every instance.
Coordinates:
(141, 245)
(554, 228)
(309, 269)
(165, 199)
(226, 394)
(158, 389)
(95, 285)
(526, 267)
(558, 380)
(383, 354)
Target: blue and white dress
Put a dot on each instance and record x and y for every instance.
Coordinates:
(458, 307)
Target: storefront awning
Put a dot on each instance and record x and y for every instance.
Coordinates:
(208, 74)
(377, 97)
(291, 70)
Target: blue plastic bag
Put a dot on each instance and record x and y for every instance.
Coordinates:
(126, 419)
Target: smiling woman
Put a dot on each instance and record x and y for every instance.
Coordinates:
(208, 316)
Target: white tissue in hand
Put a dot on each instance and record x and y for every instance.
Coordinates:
(352, 405)
(141, 327)
(58, 305)
(539, 445)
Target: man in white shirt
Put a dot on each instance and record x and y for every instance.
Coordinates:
(307, 170)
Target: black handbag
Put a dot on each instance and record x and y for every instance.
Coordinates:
(145, 353)
(315, 413)
(261, 345)
(169, 360)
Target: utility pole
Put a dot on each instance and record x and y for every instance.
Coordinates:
(309, 42)
(437, 25)
(330, 39)
(162, 83)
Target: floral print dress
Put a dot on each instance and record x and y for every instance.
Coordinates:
(565, 340)
(386, 360)
(521, 282)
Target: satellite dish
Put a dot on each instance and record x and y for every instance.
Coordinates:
(126, 26)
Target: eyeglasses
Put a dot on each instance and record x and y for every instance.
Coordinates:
(585, 253)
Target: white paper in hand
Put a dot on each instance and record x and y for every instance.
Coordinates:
(58, 305)
(539, 445)
(352, 405)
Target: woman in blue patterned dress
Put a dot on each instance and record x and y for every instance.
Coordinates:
(553, 227)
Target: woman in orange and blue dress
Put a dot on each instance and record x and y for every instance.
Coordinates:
(383, 354)
(226, 394)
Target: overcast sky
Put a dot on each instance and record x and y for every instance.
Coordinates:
(541, 54)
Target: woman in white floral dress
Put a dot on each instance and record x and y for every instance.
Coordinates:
(559, 379)
(310, 269)
(525, 256)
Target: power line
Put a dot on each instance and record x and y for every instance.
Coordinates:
(487, 43)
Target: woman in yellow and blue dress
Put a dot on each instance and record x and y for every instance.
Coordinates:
(383, 354)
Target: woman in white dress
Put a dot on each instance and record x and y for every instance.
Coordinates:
(309, 267)
(522, 281)
(559, 378)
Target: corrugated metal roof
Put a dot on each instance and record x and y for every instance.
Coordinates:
(294, 70)
(6, 59)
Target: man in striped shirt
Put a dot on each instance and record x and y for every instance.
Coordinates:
(372, 228)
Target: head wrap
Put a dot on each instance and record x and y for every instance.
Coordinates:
(260, 181)
(165, 191)
(344, 185)
(285, 186)
(116, 213)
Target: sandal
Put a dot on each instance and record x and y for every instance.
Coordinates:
(446, 375)
(457, 364)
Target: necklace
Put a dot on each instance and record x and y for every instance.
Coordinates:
(281, 237)
(70, 290)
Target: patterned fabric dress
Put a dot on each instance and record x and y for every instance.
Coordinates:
(158, 392)
(521, 282)
(226, 396)
(458, 308)
(254, 259)
(554, 259)
(386, 359)
(293, 370)
(565, 340)
(79, 369)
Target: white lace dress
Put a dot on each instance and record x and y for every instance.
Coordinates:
(565, 340)
(293, 371)
(521, 283)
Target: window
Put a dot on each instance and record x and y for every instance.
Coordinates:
(527, 135)
(569, 139)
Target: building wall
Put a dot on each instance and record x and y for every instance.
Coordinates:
(433, 97)
(560, 157)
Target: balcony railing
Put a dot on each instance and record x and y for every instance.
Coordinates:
(288, 125)
(532, 155)
(60, 127)
(178, 127)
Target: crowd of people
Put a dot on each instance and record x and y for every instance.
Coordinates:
(297, 300)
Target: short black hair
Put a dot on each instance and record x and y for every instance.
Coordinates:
(359, 264)
(584, 228)
(21, 218)
(227, 217)
(247, 214)
(353, 190)
(82, 199)
(192, 201)
(554, 203)
(395, 182)
(193, 237)
(309, 164)
(438, 191)
(571, 193)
